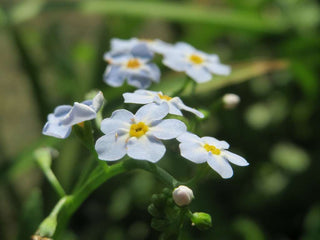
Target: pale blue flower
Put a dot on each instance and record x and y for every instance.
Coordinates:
(137, 135)
(175, 103)
(60, 122)
(134, 66)
(198, 65)
(154, 45)
(210, 150)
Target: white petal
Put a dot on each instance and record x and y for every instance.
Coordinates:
(221, 166)
(199, 74)
(139, 98)
(120, 119)
(151, 112)
(97, 101)
(193, 152)
(145, 148)
(78, 113)
(111, 147)
(168, 129)
(173, 109)
(189, 137)
(218, 68)
(184, 47)
(182, 106)
(215, 142)
(234, 158)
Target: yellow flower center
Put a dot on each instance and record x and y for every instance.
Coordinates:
(138, 129)
(81, 124)
(164, 97)
(196, 59)
(212, 149)
(133, 63)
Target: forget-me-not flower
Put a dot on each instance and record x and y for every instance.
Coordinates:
(198, 65)
(154, 45)
(137, 135)
(175, 103)
(134, 66)
(60, 122)
(210, 150)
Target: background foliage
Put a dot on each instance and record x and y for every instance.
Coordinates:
(51, 53)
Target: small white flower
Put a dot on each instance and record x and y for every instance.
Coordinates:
(137, 135)
(230, 100)
(182, 195)
(60, 122)
(154, 45)
(197, 64)
(175, 103)
(210, 150)
(134, 66)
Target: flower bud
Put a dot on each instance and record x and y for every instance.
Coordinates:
(201, 220)
(230, 100)
(182, 195)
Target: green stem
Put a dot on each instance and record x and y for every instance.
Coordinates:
(69, 204)
(54, 182)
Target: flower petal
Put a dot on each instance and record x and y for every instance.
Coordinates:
(111, 147)
(219, 68)
(175, 63)
(139, 81)
(141, 50)
(193, 152)
(54, 130)
(97, 101)
(154, 72)
(114, 76)
(189, 137)
(199, 74)
(221, 166)
(151, 112)
(120, 119)
(139, 97)
(61, 110)
(168, 129)
(178, 102)
(234, 158)
(78, 113)
(145, 148)
(215, 142)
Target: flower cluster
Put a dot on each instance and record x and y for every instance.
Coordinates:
(131, 60)
(140, 135)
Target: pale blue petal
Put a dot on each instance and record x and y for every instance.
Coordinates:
(61, 110)
(151, 112)
(55, 130)
(179, 104)
(97, 101)
(120, 119)
(184, 47)
(145, 148)
(173, 109)
(141, 50)
(199, 74)
(139, 81)
(79, 113)
(175, 63)
(168, 129)
(234, 158)
(215, 142)
(189, 137)
(154, 71)
(221, 166)
(193, 151)
(114, 76)
(111, 147)
(123, 45)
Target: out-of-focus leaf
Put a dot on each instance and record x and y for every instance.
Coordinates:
(312, 224)
(290, 157)
(258, 116)
(31, 215)
(248, 229)
(120, 203)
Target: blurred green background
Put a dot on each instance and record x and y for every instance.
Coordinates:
(51, 54)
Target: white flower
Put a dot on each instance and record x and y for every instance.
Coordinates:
(175, 103)
(154, 45)
(137, 135)
(210, 150)
(182, 195)
(134, 66)
(197, 64)
(230, 100)
(60, 122)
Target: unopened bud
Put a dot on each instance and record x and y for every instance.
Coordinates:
(230, 100)
(182, 195)
(201, 220)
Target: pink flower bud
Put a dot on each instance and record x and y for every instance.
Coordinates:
(182, 195)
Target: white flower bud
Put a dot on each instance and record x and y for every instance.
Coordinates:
(230, 100)
(182, 195)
